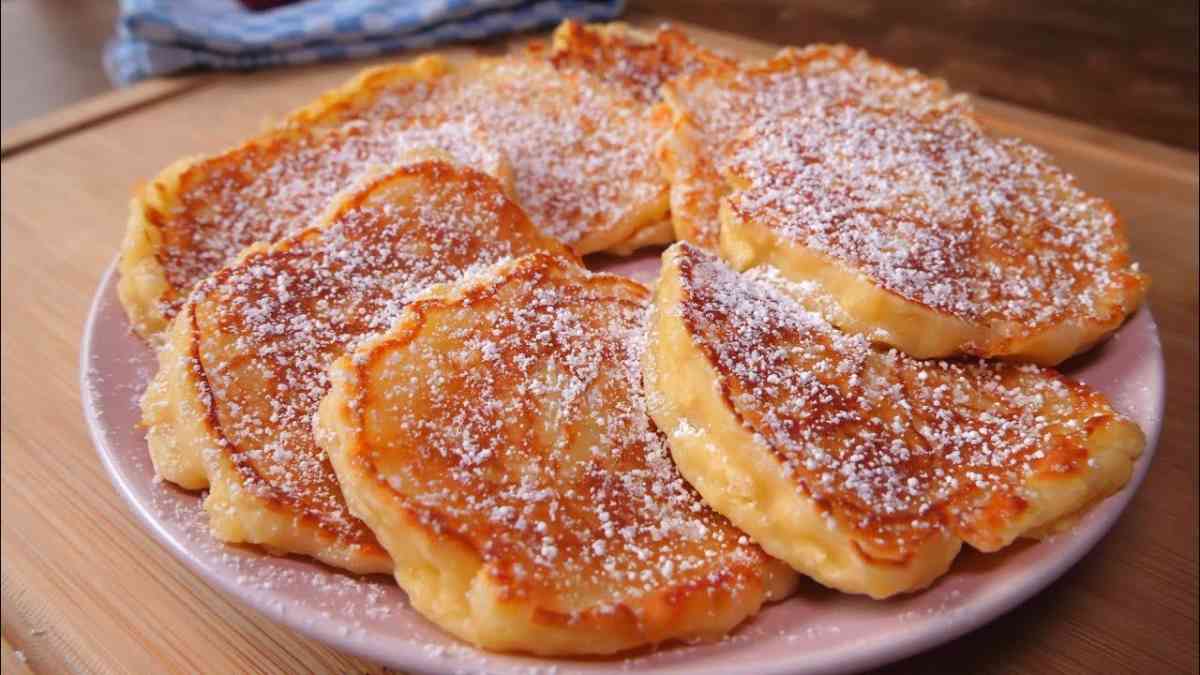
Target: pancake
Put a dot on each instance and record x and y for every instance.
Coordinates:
(637, 61)
(496, 442)
(245, 367)
(862, 467)
(709, 108)
(927, 233)
(200, 212)
(581, 148)
(580, 152)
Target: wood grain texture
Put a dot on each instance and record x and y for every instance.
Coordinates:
(1126, 66)
(85, 589)
(92, 111)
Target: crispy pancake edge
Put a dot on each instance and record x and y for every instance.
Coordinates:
(859, 305)
(172, 413)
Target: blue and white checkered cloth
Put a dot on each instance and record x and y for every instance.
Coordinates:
(157, 37)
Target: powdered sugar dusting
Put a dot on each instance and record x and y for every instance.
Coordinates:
(929, 206)
(722, 100)
(515, 422)
(816, 624)
(279, 184)
(580, 150)
(269, 326)
(895, 449)
(636, 61)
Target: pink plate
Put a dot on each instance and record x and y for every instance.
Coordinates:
(816, 631)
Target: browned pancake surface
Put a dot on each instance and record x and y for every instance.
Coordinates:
(266, 328)
(279, 184)
(523, 435)
(898, 450)
(580, 151)
(635, 60)
(715, 104)
(926, 205)
(498, 433)
(581, 148)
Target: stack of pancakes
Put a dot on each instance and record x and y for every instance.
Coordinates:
(379, 347)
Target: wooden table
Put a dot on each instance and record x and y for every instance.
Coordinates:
(84, 588)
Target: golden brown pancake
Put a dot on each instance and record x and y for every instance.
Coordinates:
(658, 234)
(863, 467)
(710, 107)
(200, 212)
(635, 60)
(496, 442)
(581, 148)
(580, 152)
(245, 366)
(926, 233)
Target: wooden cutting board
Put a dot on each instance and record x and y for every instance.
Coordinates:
(84, 588)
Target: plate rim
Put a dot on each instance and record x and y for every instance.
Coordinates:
(860, 655)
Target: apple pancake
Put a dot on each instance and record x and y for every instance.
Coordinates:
(245, 367)
(496, 441)
(580, 152)
(637, 61)
(707, 109)
(927, 233)
(581, 148)
(200, 212)
(863, 467)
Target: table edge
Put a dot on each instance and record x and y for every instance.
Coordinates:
(1171, 162)
(94, 110)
